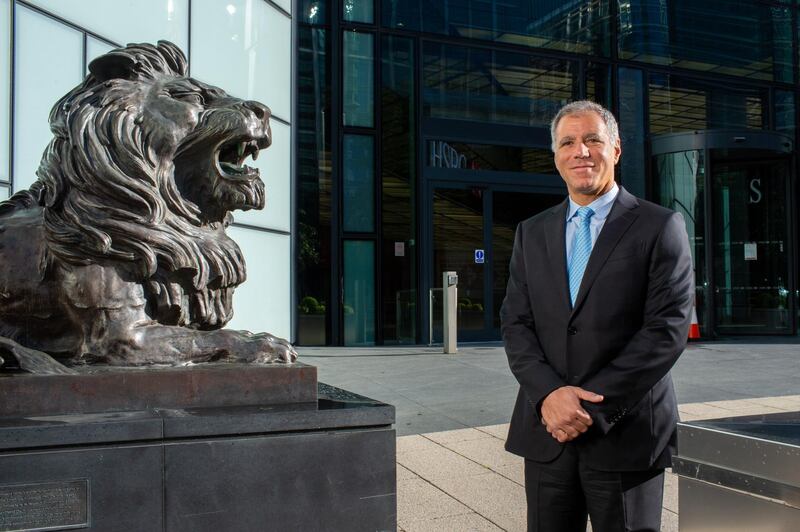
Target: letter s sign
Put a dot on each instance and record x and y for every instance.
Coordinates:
(755, 190)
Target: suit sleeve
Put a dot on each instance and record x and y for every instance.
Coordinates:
(526, 359)
(655, 348)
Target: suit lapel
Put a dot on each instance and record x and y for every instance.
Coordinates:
(619, 220)
(556, 247)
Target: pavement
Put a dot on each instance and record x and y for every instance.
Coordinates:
(453, 411)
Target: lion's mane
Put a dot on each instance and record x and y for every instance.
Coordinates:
(109, 197)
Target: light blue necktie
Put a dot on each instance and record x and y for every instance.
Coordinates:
(581, 249)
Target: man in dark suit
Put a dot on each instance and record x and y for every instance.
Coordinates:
(596, 313)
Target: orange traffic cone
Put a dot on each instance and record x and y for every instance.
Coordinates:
(694, 328)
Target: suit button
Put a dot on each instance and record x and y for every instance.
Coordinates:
(572, 331)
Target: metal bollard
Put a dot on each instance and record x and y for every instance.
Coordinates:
(450, 311)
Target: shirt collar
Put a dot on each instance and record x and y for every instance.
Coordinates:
(601, 206)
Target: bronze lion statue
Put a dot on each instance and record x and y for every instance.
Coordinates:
(117, 254)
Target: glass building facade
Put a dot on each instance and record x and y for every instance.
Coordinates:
(423, 140)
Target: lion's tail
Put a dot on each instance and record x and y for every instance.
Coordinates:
(14, 356)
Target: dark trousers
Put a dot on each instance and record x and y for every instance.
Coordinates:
(563, 492)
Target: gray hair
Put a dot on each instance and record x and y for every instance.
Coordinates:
(583, 107)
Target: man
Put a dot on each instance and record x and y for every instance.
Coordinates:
(596, 313)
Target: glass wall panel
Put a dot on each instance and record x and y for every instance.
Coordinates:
(260, 303)
(124, 22)
(680, 186)
(735, 37)
(313, 11)
(274, 164)
(678, 104)
(4, 192)
(359, 79)
(5, 84)
(358, 183)
(784, 112)
(491, 86)
(398, 182)
(598, 84)
(469, 156)
(245, 48)
(313, 243)
(582, 27)
(751, 247)
(632, 130)
(359, 292)
(37, 89)
(359, 11)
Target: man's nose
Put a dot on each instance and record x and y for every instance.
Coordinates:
(582, 150)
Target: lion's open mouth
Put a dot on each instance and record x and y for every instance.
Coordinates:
(231, 157)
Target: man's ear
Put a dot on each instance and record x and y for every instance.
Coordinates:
(617, 151)
(113, 65)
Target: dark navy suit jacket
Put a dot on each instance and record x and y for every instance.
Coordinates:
(628, 327)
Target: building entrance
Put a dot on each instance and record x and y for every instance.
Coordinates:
(733, 189)
(473, 229)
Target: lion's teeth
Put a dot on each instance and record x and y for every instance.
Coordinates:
(240, 148)
(255, 155)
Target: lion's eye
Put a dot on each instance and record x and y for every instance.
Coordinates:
(189, 97)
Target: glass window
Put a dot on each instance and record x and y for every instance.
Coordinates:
(5, 93)
(358, 11)
(36, 89)
(358, 183)
(124, 22)
(581, 27)
(678, 104)
(735, 37)
(4, 192)
(359, 292)
(359, 79)
(245, 48)
(784, 112)
(466, 156)
(598, 84)
(398, 185)
(680, 185)
(631, 96)
(313, 11)
(490, 86)
(313, 243)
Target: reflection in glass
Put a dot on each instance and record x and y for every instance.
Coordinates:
(359, 292)
(457, 232)
(733, 37)
(784, 112)
(5, 85)
(632, 130)
(493, 86)
(581, 27)
(680, 186)
(399, 266)
(751, 251)
(313, 243)
(358, 11)
(508, 210)
(358, 183)
(313, 11)
(678, 104)
(468, 156)
(359, 78)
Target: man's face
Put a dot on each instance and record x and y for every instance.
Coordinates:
(585, 156)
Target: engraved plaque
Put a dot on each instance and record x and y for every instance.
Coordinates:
(47, 506)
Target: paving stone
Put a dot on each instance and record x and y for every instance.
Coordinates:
(415, 442)
(671, 492)
(498, 431)
(434, 462)
(707, 410)
(514, 473)
(405, 474)
(419, 500)
(491, 495)
(471, 522)
(454, 436)
(488, 452)
(789, 403)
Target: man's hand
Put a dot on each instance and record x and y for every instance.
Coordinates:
(563, 415)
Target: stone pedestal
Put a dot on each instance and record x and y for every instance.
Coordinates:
(209, 449)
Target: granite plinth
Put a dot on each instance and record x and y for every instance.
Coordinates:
(326, 464)
(98, 390)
